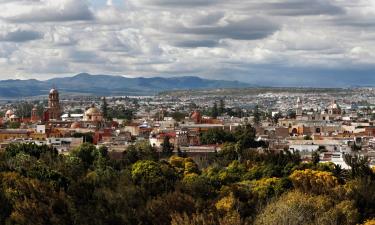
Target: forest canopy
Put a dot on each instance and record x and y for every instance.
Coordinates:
(39, 186)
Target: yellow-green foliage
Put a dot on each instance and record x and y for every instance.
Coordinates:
(184, 165)
(295, 208)
(266, 186)
(226, 204)
(313, 181)
(369, 222)
(177, 161)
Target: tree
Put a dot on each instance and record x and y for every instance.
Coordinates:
(33, 202)
(216, 136)
(315, 157)
(296, 208)
(312, 181)
(276, 117)
(24, 109)
(359, 165)
(14, 125)
(257, 115)
(87, 137)
(160, 210)
(222, 107)
(178, 116)
(215, 111)
(88, 153)
(105, 108)
(153, 177)
(167, 147)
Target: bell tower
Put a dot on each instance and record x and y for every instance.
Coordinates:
(54, 109)
(299, 108)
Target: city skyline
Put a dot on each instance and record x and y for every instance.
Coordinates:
(276, 43)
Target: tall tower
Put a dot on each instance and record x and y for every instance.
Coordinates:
(299, 108)
(34, 115)
(54, 110)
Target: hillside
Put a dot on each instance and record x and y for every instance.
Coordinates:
(110, 85)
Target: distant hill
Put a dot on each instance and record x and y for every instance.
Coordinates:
(108, 85)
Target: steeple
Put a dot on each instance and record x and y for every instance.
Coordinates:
(299, 110)
(54, 110)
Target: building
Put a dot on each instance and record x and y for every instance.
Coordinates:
(34, 115)
(93, 114)
(53, 111)
(299, 110)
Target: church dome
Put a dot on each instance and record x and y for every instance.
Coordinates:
(14, 117)
(92, 111)
(9, 112)
(53, 91)
(93, 114)
(334, 105)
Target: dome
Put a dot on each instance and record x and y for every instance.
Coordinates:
(75, 125)
(93, 114)
(93, 111)
(53, 91)
(9, 112)
(334, 105)
(14, 117)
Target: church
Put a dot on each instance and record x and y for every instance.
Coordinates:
(53, 111)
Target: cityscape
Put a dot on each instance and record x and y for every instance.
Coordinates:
(200, 112)
(321, 126)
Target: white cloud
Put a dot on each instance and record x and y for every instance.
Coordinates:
(45, 11)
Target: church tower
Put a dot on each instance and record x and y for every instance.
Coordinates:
(34, 115)
(54, 110)
(299, 108)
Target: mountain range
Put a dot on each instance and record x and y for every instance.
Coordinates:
(109, 85)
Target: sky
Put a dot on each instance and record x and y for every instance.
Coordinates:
(265, 42)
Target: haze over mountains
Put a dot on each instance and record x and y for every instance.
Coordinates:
(109, 85)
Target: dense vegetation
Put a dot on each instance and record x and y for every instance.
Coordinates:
(242, 186)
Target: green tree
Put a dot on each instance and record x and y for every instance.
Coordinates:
(360, 165)
(152, 176)
(167, 146)
(257, 115)
(87, 137)
(23, 109)
(315, 157)
(296, 208)
(222, 107)
(215, 111)
(104, 108)
(14, 125)
(88, 153)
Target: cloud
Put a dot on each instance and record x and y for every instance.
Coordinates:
(196, 43)
(245, 29)
(176, 3)
(270, 41)
(21, 36)
(46, 11)
(299, 7)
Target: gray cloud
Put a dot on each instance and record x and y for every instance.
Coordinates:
(267, 42)
(21, 36)
(179, 3)
(300, 7)
(196, 43)
(246, 29)
(49, 11)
